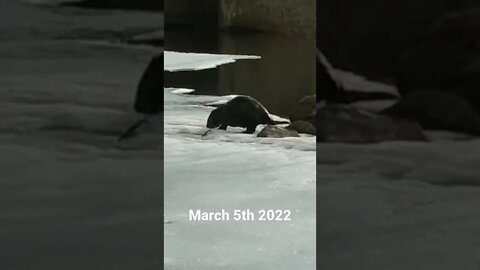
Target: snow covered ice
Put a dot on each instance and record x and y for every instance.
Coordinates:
(71, 197)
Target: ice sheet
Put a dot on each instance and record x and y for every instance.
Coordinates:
(181, 61)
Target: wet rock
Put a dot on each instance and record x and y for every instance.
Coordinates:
(446, 58)
(436, 110)
(305, 110)
(149, 98)
(344, 123)
(271, 131)
(301, 126)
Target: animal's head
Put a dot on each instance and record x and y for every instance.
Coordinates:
(216, 117)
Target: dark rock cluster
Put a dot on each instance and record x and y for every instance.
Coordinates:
(303, 116)
(302, 120)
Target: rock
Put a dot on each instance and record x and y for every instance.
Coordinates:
(301, 126)
(305, 110)
(344, 123)
(447, 58)
(271, 131)
(437, 110)
(149, 98)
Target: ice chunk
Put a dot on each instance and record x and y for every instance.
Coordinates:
(181, 61)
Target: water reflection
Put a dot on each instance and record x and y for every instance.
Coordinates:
(284, 75)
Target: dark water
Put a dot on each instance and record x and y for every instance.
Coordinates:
(284, 74)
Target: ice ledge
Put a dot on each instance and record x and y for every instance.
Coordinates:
(181, 61)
